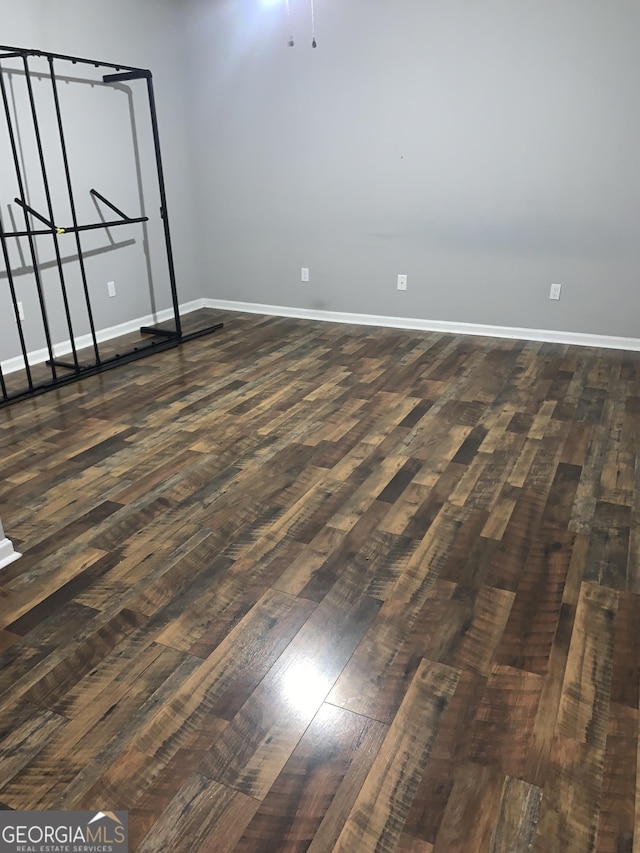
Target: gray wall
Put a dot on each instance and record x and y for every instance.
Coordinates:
(101, 124)
(484, 149)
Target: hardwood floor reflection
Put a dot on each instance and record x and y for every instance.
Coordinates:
(302, 586)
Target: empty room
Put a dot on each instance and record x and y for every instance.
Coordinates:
(319, 426)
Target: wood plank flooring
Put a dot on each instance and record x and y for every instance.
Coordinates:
(311, 587)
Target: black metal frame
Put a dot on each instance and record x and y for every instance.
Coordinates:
(163, 338)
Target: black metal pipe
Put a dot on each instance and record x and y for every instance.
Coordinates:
(167, 339)
(14, 300)
(65, 161)
(37, 215)
(109, 204)
(96, 225)
(154, 330)
(32, 248)
(47, 192)
(36, 232)
(92, 370)
(149, 348)
(138, 74)
(200, 333)
(163, 205)
(18, 51)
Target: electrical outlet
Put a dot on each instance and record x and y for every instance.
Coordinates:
(20, 311)
(111, 288)
(554, 293)
(304, 274)
(402, 282)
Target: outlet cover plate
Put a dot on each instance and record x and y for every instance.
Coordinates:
(554, 293)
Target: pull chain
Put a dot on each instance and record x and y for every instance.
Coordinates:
(313, 27)
(288, 8)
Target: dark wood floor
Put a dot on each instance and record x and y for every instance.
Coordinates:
(301, 586)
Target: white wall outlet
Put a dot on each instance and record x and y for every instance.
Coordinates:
(402, 282)
(111, 288)
(554, 293)
(304, 274)
(20, 310)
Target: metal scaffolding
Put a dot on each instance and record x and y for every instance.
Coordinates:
(63, 371)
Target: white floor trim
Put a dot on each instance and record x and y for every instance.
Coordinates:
(7, 554)
(40, 355)
(451, 327)
(585, 339)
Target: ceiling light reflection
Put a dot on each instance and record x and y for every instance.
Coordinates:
(305, 688)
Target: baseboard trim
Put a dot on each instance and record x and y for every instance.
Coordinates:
(7, 554)
(450, 327)
(584, 339)
(11, 365)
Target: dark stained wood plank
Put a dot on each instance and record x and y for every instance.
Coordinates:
(501, 512)
(472, 812)
(429, 558)
(381, 808)
(260, 738)
(462, 629)
(569, 813)
(33, 586)
(516, 541)
(533, 619)
(608, 554)
(444, 528)
(577, 444)
(625, 677)
(318, 774)
(583, 712)
(216, 687)
(7, 639)
(84, 657)
(203, 813)
(351, 785)
(490, 484)
(448, 752)
(64, 594)
(516, 825)
(27, 740)
(396, 486)
(74, 529)
(379, 672)
(470, 446)
(350, 546)
(501, 733)
(97, 730)
(553, 679)
(616, 824)
(406, 844)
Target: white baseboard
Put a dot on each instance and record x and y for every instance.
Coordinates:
(7, 554)
(10, 365)
(451, 327)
